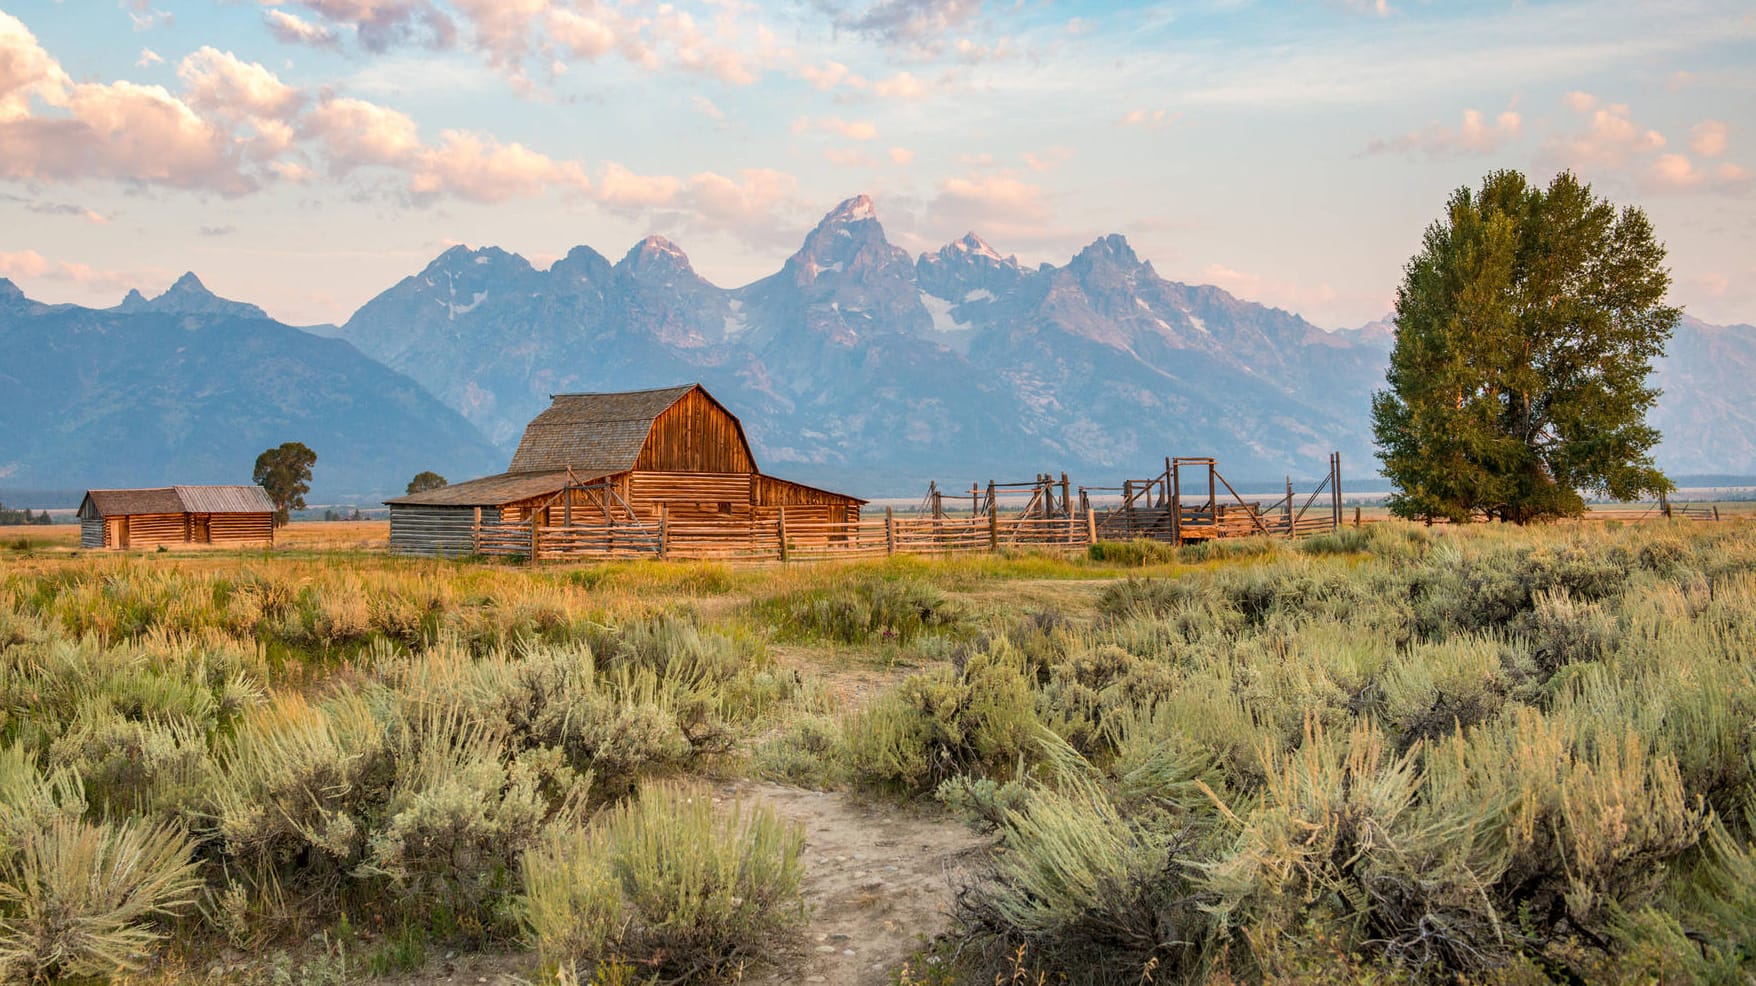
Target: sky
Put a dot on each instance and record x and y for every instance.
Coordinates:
(305, 155)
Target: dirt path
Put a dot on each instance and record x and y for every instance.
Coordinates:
(878, 881)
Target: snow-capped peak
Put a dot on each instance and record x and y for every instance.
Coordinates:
(853, 210)
(973, 244)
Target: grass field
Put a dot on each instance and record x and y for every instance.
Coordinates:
(1392, 754)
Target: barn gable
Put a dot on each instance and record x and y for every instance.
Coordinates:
(674, 429)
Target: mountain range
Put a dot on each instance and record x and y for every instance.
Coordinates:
(855, 366)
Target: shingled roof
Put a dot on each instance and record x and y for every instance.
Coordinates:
(492, 491)
(595, 434)
(177, 500)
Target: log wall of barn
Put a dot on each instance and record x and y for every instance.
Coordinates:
(438, 531)
(240, 528)
(695, 435)
(91, 532)
(145, 530)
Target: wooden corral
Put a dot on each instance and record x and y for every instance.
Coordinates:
(603, 474)
(176, 515)
(1190, 501)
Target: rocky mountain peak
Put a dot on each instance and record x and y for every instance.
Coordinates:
(975, 246)
(11, 297)
(1112, 250)
(188, 296)
(857, 209)
(655, 254)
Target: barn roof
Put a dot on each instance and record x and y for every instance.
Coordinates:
(492, 491)
(176, 500)
(595, 433)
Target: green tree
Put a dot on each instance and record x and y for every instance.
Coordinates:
(424, 481)
(1525, 331)
(285, 472)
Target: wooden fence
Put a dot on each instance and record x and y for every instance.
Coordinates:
(778, 538)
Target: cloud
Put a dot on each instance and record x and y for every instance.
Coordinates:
(1675, 172)
(851, 129)
(902, 156)
(997, 204)
(30, 265)
(1474, 135)
(148, 58)
(293, 29)
(379, 25)
(912, 22)
(1611, 140)
(1708, 138)
(623, 190)
(481, 169)
(221, 84)
(1151, 119)
(218, 230)
(1049, 159)
(355, 132)
(847, 157)
(707, 108)
(903, 87)
(58, 209)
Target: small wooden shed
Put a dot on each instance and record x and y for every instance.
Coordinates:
(616, 457)
(176, 515)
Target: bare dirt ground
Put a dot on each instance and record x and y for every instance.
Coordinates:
(879, 882)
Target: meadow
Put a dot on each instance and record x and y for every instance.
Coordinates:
(1391, 754)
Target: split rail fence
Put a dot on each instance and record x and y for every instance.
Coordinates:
(779, 538)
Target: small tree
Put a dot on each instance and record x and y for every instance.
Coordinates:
(424, 481)
(1525, 331)
(285, 473)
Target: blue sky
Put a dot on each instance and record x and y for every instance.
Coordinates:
(306, 154)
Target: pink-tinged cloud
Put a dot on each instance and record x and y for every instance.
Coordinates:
(1150, 119)
(1472, 136)
(382, 24)
(355, 133)
(851, 129)
(746, 205)
(622, 189)
(847, 157)
(292, 29)
(913, 22)
(1580, 102)
(26, 70)
(148, 58)
(1611, 141)
(29, 265)
(223, 85)
(481, 169)
(1731, 174)
(1000, 204)
(829, 75)
(901, 87)
(585, 36)
(902, 156)
(1675, 172)
(1708, 138)
(1049, 159)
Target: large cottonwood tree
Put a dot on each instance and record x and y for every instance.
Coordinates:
(1526, 328)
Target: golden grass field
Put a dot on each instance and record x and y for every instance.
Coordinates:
(1392, 754)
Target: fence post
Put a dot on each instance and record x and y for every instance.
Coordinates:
(1090, 525)
(475, 533)
(1176, 502)
(993, 527)
(1335, 484)
(783, 533)
(1356, 515)
(534, 516)
(1289, 509)
(664, 530)
(890, 530)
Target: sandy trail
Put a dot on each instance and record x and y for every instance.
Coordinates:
(878, 881)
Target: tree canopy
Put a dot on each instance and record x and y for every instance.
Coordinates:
(285, 472)
(1526, 328)
(426, 480)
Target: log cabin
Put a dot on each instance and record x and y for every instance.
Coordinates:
(176, 515)
(627, 458)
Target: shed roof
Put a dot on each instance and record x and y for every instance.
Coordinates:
(176, 500)
(492, 491)
(595, 433)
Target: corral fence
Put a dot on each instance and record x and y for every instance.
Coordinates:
(774, 536)
(1183, 504)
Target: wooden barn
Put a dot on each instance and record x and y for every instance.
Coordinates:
(618, 461)
(176, 515)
